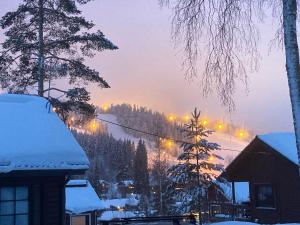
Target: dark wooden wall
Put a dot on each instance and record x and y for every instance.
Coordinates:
(262, 165)
(46, 196)
(53, 198)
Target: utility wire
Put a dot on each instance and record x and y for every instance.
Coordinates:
(157, 135)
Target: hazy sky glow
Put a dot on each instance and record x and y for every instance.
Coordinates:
(146, 70)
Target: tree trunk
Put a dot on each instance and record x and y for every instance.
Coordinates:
(292, 62)
(41, 66)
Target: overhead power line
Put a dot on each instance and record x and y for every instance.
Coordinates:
(158, 135)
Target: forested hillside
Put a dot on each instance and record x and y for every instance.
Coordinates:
(109, 157)
(144, 119)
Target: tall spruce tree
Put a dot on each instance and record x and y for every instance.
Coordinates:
(161, 200)
(48, 40)
(141, 174)
(197, 167)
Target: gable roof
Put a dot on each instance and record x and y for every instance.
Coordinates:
(34, 138)
(81, 197)
(283, 143)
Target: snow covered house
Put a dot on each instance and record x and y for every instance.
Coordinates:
(125, 188)
(270, 165)
(82, 203)
(37, 155)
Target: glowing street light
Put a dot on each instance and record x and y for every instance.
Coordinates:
(186, 118)
(169, 143)
(105, 108)
(220, 126)
(204, 122)
(93, 126)
(211, 158)
(171, 118)
(241, 134)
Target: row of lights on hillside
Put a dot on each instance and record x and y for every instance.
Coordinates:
(220, 126)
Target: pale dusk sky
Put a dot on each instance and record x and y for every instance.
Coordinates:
(146, 70)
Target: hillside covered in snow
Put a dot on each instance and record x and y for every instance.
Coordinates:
(157, 123)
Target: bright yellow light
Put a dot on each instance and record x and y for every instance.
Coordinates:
(220, 126)
(204, 122)
(170, 143)
(105, 108)
(242, 134)
(198, 137)
(171, 118)
(211, 158)
(186, 118)
(93, 125)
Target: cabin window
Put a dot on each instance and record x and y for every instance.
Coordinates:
(14, 206)
(80, 220)
(264, 196)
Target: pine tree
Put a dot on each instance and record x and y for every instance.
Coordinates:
(48, 40)
(161, 200)
(197, 167)
(141, 174)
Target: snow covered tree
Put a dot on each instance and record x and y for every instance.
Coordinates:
(161, 200)
(109, 158)
(197, 167)
(46, 41)
(144, 205)
(141, 173)
(229, 29)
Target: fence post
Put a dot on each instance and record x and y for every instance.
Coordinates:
(176, 222)
(233, 200)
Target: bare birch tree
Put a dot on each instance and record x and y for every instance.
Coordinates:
(224, 34)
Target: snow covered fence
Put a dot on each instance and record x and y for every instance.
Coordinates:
(175, 220)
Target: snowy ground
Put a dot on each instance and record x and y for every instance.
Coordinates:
(243, 223)
(159, 223)
(116, 131)
(220, 223)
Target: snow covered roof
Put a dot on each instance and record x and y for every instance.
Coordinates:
(34, 138)
(284, 143)
(110, 215)
(75, 183)
(81, 198)
(120, 202)
(126, 183)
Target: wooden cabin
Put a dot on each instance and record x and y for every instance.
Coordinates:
(82, 203)
(37, 156)
(125, 188)
(270, 165)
